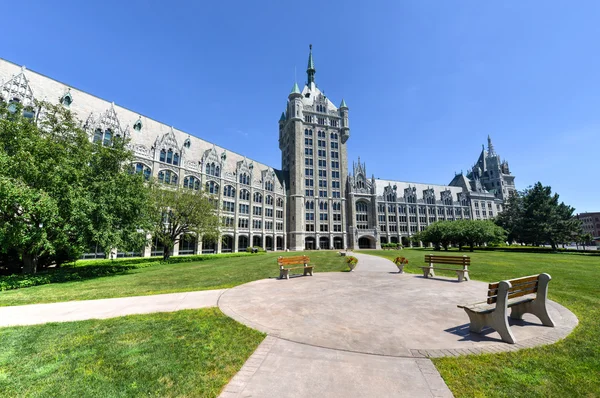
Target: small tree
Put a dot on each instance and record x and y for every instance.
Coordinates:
(181, 211)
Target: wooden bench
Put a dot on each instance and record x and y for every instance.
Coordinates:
(462, 274)
(515, 294)
(294, 260)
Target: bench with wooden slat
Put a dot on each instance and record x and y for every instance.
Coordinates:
(522, 295)
(294, 260)
(463, 261)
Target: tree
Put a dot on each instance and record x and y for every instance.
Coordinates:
(59, 192)
(461, 232)
(536, 217)
(182, 211)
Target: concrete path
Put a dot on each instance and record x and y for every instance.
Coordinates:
(284, 369)
(106, 308)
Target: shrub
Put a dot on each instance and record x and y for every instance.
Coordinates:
(255, 249)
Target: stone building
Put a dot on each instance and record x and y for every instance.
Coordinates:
(590, 223)
(310, 203)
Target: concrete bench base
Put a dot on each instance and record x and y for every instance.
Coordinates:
(462, 274)
(285, 272)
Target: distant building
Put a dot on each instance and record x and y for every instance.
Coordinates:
(312, 202)
(590, 223)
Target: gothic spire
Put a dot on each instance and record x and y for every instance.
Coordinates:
(491, 151)
(310, 71)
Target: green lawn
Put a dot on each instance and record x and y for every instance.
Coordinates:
(169, 278)
(570, 368)
(189, 353)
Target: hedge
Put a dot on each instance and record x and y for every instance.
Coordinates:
(87, 269)
(536, 249)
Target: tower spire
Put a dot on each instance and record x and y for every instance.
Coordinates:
(491, 151)
(310, 71)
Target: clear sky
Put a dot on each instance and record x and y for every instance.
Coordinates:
(425, 81)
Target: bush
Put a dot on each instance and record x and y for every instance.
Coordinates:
(391, 246)
(255, 249)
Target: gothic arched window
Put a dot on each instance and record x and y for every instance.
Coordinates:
(212, 187)
(279, 202)
(191, 182)
(244, 194)
(176, 159)
(229, 191)
(140, 168)
(170, 156)
(257, 197)
(163, 155)
(167, 177)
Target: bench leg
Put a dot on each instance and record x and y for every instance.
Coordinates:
(462, 275)
(494, 320)
(428, 272)
(535, 307)
(284, 273)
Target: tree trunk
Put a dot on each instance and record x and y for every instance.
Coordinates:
(471, 246)
(30, 263)
(166, 253)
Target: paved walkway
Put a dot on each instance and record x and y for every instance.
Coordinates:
(106, 308)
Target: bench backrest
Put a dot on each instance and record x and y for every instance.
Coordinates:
(518, 287)
(294, 260)
(455, 260)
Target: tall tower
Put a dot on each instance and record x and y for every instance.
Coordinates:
(312, 137)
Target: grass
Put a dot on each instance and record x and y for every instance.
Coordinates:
(169, 278)
(184, 353)
(569, 368)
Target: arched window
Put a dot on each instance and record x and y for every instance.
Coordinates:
(191, 182)
(310, 205)
(176, 159)
(170, 156)
(257, 197)
(167, 177)
(390, 197)
(322, 205)
(98, 136)
(244, 194)
(269, 186)
(163, 155)
(212, 187)
(268, 200)
(229, 191)
(279, 202)
(140, 168)
(360, 184)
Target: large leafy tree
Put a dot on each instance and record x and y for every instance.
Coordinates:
(535, 216)
(59, 192)
(461, 232)
(178, 212)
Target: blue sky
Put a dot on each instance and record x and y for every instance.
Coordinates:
(425, 81)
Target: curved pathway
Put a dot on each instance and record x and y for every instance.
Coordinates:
(367, 333)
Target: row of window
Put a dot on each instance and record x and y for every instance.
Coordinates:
(323, 228)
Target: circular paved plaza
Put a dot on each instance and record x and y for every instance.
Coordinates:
(375, 310)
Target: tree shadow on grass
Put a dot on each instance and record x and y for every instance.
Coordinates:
(63, 275)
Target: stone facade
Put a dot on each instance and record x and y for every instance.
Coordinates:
(310, 203)
(590, 223)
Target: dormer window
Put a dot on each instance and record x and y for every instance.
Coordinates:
(67, 99)
(137, 126)
(187, 143)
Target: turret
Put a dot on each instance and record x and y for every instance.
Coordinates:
(345, 128)
(295, 103)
